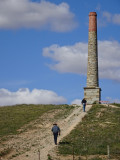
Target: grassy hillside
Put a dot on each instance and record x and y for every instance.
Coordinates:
(12, 118)
(100, 128)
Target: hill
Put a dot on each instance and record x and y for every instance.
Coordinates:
(97, 136)
(25, 129)
(26, 132)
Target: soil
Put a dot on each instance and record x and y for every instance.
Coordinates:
(36, 142)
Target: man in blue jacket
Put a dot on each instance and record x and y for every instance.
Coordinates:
(56, 131)
(84, 103)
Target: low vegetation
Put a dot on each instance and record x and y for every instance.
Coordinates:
(97, 131)
(115, 104)
(12, 118)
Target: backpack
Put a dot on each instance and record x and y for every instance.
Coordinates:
(55, 129)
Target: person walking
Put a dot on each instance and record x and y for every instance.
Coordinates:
(84, 104)
(56, 131)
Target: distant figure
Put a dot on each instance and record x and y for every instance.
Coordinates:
(84, 103)
(56, 130)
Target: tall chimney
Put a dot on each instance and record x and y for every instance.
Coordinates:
(92, 92)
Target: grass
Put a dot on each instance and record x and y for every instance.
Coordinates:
(115, 104)
(12, 118)
(65, 112)
(98, 129)
(101, 127)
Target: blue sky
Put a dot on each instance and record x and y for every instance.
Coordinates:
(44, 47)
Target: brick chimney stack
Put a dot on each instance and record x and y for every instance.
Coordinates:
(92, 68)
(92, 92)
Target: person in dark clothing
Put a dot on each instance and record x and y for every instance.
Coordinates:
(84, 104)
(56, 131)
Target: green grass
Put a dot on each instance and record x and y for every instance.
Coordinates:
(65, 112)
(118, 105)
(101, 127)
(12, 118)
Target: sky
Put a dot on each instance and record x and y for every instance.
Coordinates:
(44, 49)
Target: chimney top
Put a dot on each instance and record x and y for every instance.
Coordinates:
(92, 14)
(92, 21)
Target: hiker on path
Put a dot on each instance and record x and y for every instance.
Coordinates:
(56, 131)
(84, 103)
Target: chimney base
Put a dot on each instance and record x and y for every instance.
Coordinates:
(92, 94)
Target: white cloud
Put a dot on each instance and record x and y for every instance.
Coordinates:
(25, 96)
(73, 59)
(116, 19)
(76, 101)
(43, 15)
(111, 100)
(111, 18)
(109, 57)
(108, 16)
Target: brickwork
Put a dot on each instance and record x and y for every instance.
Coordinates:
(92, 92)
(92, 68)
(92, 21)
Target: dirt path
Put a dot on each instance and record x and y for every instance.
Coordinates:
(110, 105)
(25, 146)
